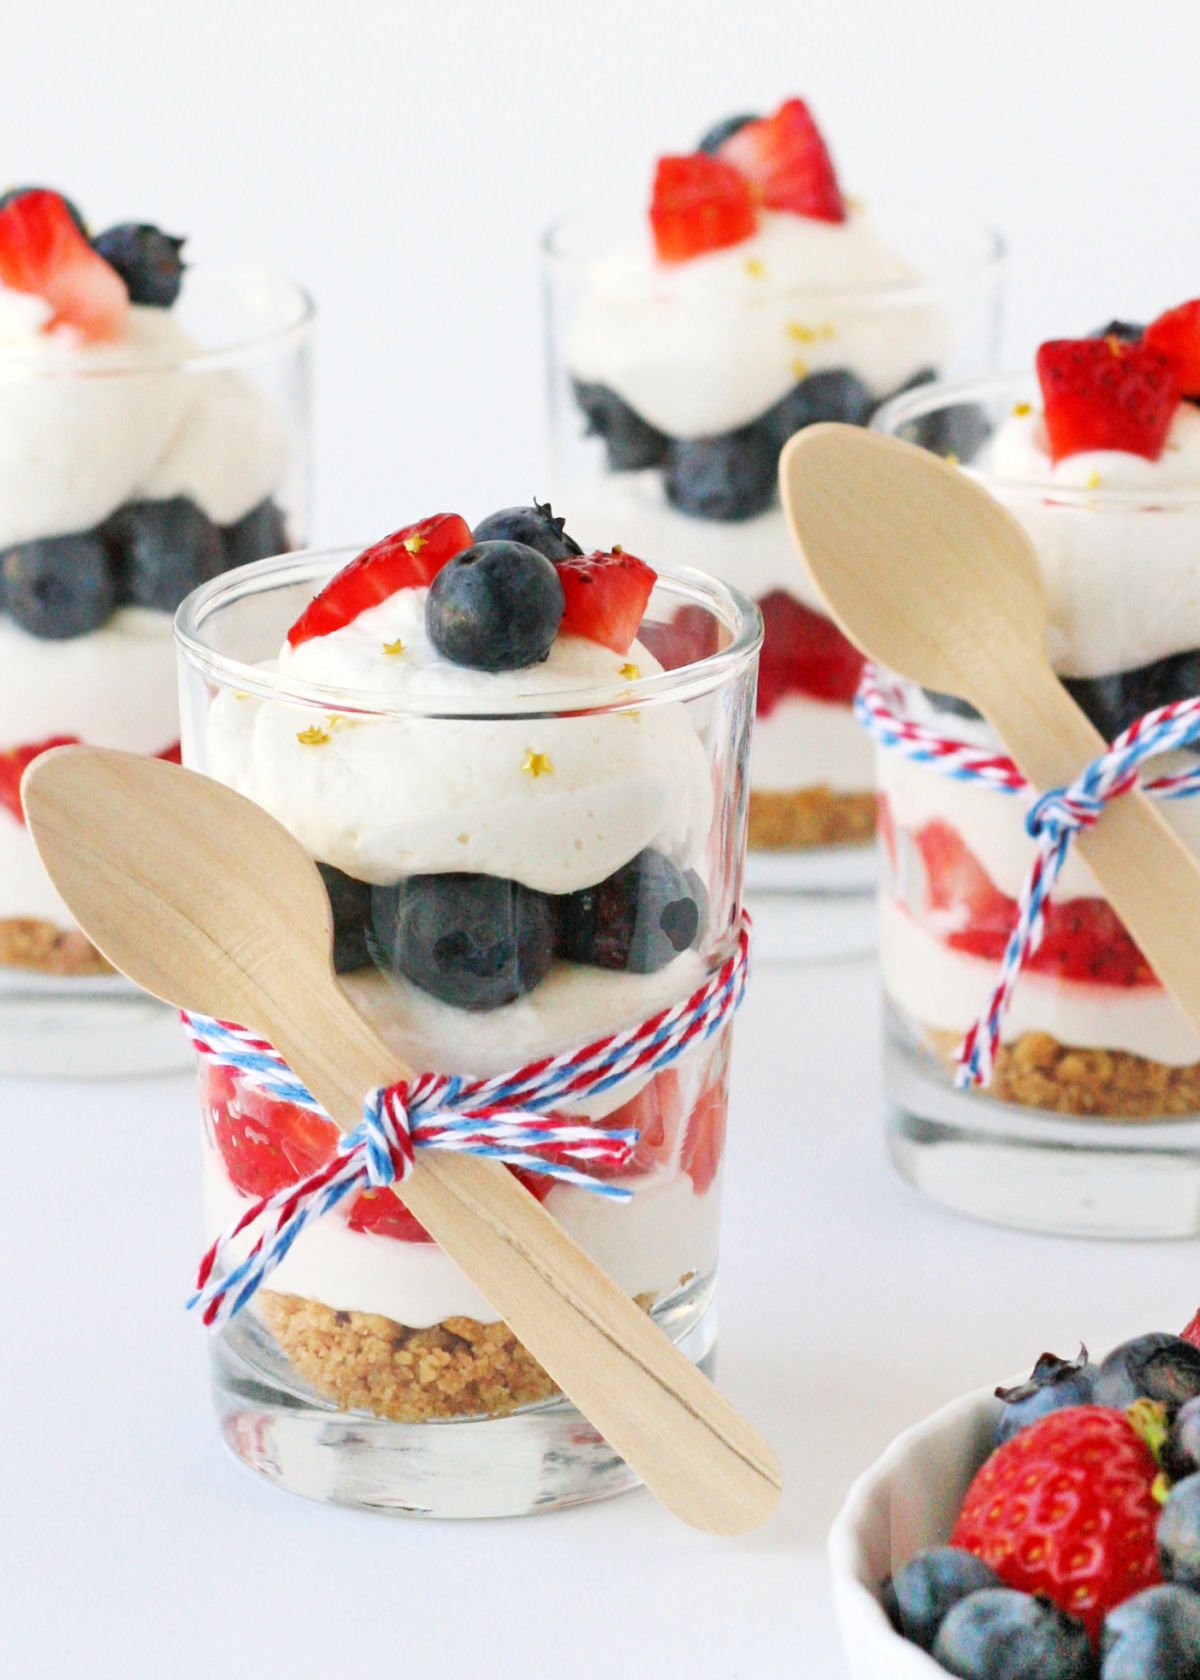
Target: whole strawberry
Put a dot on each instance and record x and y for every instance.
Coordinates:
(1067, 1509)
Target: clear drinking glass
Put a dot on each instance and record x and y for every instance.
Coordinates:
(1091, 1123)
(129, 457)
(368, 1371)
(702, 355)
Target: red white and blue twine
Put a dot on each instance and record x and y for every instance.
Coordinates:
(1052, 821)
(508, 1117)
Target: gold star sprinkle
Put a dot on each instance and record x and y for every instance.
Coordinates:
(799, 368)
(755, 267)
(394, 647)
(416, 543)
(616, 549)
(1021, 409)
(313, 737)
(951, 457)
(853, 203)
(536, 764)
(630, 672)
(801, 333)
(1094, 481)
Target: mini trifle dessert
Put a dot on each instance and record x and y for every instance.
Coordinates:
(1088, 1120)
(1049, 1530)
(531, 830)
(755, 299)
(153, 423)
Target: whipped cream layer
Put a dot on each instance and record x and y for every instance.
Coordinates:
(704, 346)
(1122, 570)
(384, 798)
(87, 427)
(806, 743)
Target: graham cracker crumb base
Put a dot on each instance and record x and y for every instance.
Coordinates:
(47, 949)
(815, 816)
(1037, 1071)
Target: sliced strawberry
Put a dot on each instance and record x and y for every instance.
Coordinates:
(383, 1215)
(606, 596)
(1106, 393)
(704, 1141)
(1176, 333)
(656, 1113)
(1192, 1333)
(265, 1144)
(43, 252)
(408, 559)
(700, 204)
(15, 762)
(787, 163)
(803, 653)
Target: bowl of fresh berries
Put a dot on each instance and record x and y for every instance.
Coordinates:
(1049, 1530)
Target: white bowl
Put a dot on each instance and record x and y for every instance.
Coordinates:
(908, 1499)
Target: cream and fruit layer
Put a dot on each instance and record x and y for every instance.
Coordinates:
(389, 796)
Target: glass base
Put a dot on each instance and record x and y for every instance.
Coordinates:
(96, 1028)
(538, 1459)
(1033, 1169)
(812, 906)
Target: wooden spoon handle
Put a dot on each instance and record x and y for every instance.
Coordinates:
(1149, 876)
(664, 1417)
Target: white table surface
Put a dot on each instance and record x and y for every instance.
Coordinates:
(132, 1544)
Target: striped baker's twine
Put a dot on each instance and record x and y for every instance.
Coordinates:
(1052, 821)
(507, 1117)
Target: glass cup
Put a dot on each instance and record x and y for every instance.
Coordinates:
(1091, 1122)
(339, 1378)
(156, 469)
(728, 371)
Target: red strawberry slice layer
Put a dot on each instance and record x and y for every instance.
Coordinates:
(42, 252)
(803, 653)
(1084, 940)
(704, 1141)
(1176, 335)
(787, 163)
(1105, 393)
(606, 596)
(700, 204)
(408, 559)
(1192, 1333)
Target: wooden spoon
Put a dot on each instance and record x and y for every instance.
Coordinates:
(928, 574)
(206, 901)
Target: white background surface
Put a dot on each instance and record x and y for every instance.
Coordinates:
(400, 158)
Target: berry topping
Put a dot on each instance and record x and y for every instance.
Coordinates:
(408, 559)
(42, 251)
(1055, 1385)
(1191, 1332)
(700, 204)
(637, 921)
(1155, 1636)
(256, 534)
(1157, 1366)
(534, 526)
(803, 653)
(495, 607)
(1181, 1454)
(1066, 1510)
(1176, 334)
(1179, 1534)
(606, 596)
(15, 762)
(729, 477)
(147, 259)
(919, 1596)
(722, 131)
(1128, 331)
(630, 443)
(1104, 393)
(1003, 1635)
(472, 940)
(57, 588)
(350, 901)
(787, 163)
(164, 549)
(832, 394)
(73, 211)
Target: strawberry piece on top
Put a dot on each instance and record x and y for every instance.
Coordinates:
(787, 163)
(1176, 333)
(43, 252)
(1106, 393)
(700, 204)
(606, 596)
(409, 559)
(15, 762)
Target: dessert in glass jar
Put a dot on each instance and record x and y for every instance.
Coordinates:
(1090, 1120)
(153, 433)
(531, 827)
(756, 299)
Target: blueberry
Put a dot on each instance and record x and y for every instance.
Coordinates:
(1055, 1384)
(1181, 1455)
(1127, 331)
(1005, 1635)
(727, 477)
(637, 921)
(73, 210)
(630, 443)
(961, 430)
(919, 1596)
(496, 606)
(256, 534)
(350, 901)
(164, 549)
(722, 131)
(57, 588)
(951, 704)
(832, 394)
(147, 259)
(1153, 1367)
(534, 526)
(474, 941)
(1154, 1636)
(1179, 1534)
(1114, 702)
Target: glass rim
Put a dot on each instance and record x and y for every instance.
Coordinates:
(920, 289)
(938, 394)
(735, 610)
(293, 328)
